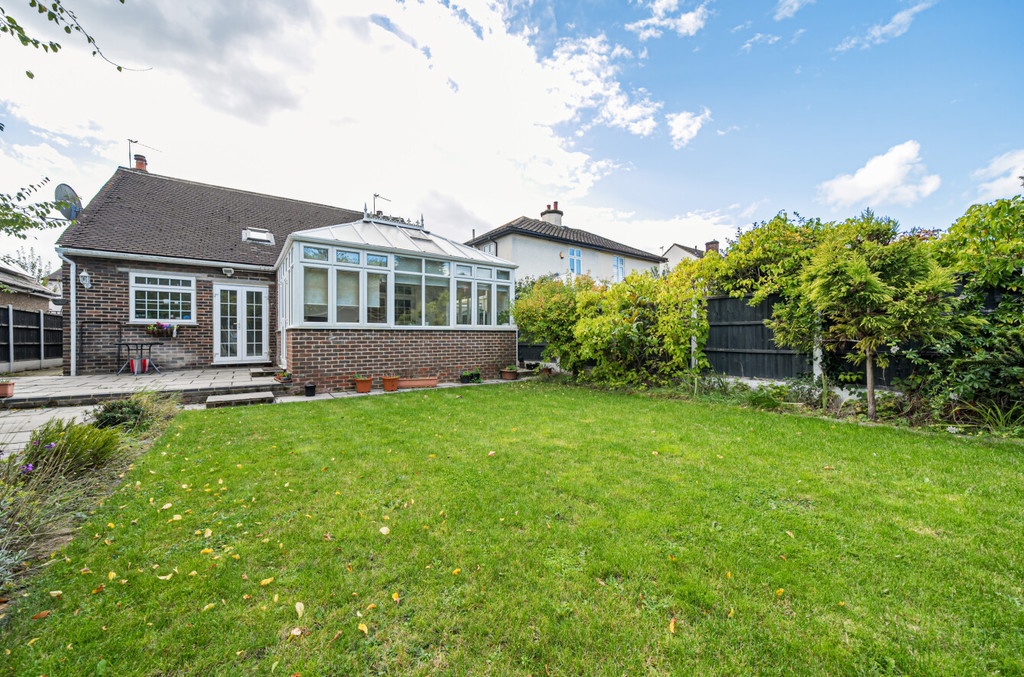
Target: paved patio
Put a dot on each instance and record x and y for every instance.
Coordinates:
(192, 384)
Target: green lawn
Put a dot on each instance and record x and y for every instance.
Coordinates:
(777, 543)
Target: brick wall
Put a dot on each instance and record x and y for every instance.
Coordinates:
(24, 302)
(332, 357)
(105, 308)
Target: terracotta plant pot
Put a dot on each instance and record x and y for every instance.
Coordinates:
(390, 383)
(510, 374)
(363, 385)
(546, 371)
(421, 382)
(7, 389)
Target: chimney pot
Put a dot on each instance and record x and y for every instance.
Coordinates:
(140, 162)
(556, 204)
(711, 246)
(552, 216)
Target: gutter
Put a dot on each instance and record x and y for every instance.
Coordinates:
(147, 258)
(73, 282)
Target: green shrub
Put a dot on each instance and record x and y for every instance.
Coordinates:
(72, 447)
(126, 414)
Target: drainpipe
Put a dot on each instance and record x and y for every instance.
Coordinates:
(73, 281)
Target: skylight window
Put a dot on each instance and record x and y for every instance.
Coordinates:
(258, 235)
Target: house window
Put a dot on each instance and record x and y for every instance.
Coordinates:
(162, 298)
(575, 261)
(488, 248)
(619, 265)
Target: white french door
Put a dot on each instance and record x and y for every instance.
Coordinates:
(240, 327)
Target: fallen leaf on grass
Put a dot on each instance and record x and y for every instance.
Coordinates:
(166, 506)
(363, 629)
(456, 572)
(32, 641)
(41, 615)
(165, 578)
(780, 591)
(336, 635)
(300, 608)
(385, 531)
(111, 576)
(672, 625)
(206, 551)
(790, 534)
(267, 581)
(209, 606)
(99, 589)
(56, 593)
(396, 597)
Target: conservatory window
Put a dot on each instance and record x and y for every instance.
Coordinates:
(377, 260)
(314, 253)
(314, 294)
(376, 298)
(463, 271)
(347, 257)
(484, 272)
(348, 295)
(463, 302)
(483, 303)
(503, 306)
(437, 296)
(437, 268)
(408, 299)
(408, 265)
(503, 274)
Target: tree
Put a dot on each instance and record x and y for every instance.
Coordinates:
(548, 313)
(30, 262)
(873, 288)
(17, 213)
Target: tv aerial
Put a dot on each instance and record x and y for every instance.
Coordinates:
(68, 202)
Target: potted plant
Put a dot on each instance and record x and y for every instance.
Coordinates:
(510, 373)
(283, 377)
(363, 383)
(471, 376)
(418, 382)
(160, 330)
(6, 387)
(390, 383)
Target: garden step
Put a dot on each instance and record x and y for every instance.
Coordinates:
(238, 399)
(263, 371)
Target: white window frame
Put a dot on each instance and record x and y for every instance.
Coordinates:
(241, 287)
(133, 287)
(575, 261)
(619, 268)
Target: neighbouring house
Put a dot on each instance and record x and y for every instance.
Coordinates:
(677, 253)
(53, 283)
(544, 247)
(245, 278)
(21, 291)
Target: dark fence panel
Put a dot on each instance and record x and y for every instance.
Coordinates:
(531, 352)
(739, 344)
(37, 336)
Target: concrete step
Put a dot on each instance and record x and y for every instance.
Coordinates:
(264, 371)
(239, 399)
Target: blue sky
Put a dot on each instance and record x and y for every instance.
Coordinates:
(651, 122)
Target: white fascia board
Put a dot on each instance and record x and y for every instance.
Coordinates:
(147, 258)
(494, 261)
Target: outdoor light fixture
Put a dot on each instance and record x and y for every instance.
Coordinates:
(228, 271)
(84, 278)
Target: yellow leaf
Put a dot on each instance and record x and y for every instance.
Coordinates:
(672, 625)
(110, 525)
(206, 551)
(267, 581)
(209, 606)
(165, 578)
(456, 572)
(300, 608)
(362, 628)
(790, 534)
(371, 606)
(731, 611)
(396, 597)
(728, 574)
(385, 531)
(780, 591)
(56, 593)
(111, 576)
(207, 533)
(166, 506)
(32, 641)
(192, 573)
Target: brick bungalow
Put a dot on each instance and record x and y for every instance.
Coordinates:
(244, 278)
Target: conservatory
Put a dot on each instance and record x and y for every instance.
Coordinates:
(416, 302)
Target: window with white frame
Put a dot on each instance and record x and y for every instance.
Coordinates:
(619, 265)
(340, 286)
(158, 297)
(575, 261)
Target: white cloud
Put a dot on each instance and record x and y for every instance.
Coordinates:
(686, 24)
(652, 234)
(760, 39)
(1000, 178)
(787, 8)
(360, 107)
(879, 33)
(683, 126)
(896, 177)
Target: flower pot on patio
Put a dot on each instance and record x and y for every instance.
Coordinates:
(390, 383)
(363, 385)
(420, 382)
(6, 388)
(510, 374)
(310, 389)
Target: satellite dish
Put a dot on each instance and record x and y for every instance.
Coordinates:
(70, 204)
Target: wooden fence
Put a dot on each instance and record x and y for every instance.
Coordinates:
(739, 344)
(30, 339)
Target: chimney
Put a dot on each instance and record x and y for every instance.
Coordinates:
(552, 216)
(140, 162)
(711, 246)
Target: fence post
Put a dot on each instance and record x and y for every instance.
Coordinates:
(42, 340)
(10, 337)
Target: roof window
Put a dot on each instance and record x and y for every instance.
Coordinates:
(258, 235)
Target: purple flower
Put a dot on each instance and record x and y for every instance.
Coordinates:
(51, 445)
(35, 441)
(26, 469)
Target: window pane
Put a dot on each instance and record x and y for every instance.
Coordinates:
(166, 305)
(229, 323)
(376, 298)
(408, 302)
(314, 253)
(342, 256)
(348, 295)
(408, 264)
(483, 303)
(438, 296)
(504, 274)
(464, 302)
(464, 271)
(437, 268)
(502, 298)
(253, 323)
(314, 291)
(378, 260)
(483, 272)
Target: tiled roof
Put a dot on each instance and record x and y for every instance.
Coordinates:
(15, 280)
(693, 251)
(549, 231)
(141, 213)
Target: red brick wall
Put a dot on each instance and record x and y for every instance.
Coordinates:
(105, 308)
(332, 357)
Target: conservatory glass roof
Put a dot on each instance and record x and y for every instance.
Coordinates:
(397, 235)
